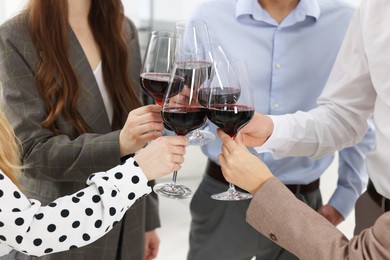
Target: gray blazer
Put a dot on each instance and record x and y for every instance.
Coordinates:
(276, 213)
(60, 164)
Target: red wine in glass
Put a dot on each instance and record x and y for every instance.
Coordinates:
(184, 119)
(230, 117)
(156, 85)
(194, 72)
(228, 95)
(155, 74)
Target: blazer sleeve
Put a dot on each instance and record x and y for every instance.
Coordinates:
(277, 214)
(152, 220)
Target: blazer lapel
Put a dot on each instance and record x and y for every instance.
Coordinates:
(90, 104)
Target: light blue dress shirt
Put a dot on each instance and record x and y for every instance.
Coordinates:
(289, 64)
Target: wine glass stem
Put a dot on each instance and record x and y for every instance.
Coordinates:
(231, 188)
(174, 177)
(197, 134)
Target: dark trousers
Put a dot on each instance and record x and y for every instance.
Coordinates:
(368, 208)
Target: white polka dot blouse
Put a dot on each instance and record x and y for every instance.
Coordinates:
(71, 221)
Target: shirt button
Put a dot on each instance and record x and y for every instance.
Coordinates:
(278, 66)
(273, 237)
(276, 105)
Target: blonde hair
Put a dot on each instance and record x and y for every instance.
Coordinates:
(9, 150)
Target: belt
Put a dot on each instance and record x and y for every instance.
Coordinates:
(214, 171)
(381, 201)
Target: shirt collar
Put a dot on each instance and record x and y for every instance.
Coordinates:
(251, 10)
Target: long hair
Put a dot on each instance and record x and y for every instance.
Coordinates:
(55, 76)
(9, 150)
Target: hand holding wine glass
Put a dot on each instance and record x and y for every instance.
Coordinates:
(230, 106)
(240, 166)
(183, 113)
(142, 125)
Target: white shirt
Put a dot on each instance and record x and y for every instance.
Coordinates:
(98, 72)
(70, 221)
(359, 86)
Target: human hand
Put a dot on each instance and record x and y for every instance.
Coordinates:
(239, 166)
(152, 243)
(162, 156)
(184, 98)
(142, 125)
(257, 131)
(331, 214)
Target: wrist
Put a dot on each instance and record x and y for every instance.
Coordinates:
(260, 183)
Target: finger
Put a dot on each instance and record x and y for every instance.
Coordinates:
(147, 118)
(178, 140)
(182, 97)
(176, 167)
(221, 160)
(146, 109)
(225, 151)
(226, 140)
(153, 252)
(177, 159)
(149, 136)
(238, 138)
(141, 118)
(178, 150)
(147, 128)
(222, 135)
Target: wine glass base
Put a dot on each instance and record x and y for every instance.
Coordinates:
(172, 191)
(200, 137)
(232, 196)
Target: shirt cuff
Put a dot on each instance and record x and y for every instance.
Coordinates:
(343, 200)
(127, 177)
(279, 135)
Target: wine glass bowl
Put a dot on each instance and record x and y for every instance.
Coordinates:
(230, 117)
(158, 63)
(194, 62)
(230, 106)
(156, 84)
(184, 119)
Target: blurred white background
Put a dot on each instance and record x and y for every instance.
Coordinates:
(140, 11)
(150, 15)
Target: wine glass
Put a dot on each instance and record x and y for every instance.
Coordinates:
(194, 61)
(157, 66)
(183, 113)
(230, 106)
(158, 63)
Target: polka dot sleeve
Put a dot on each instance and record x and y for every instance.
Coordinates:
(70, 221)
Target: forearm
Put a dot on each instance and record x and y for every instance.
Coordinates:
(74, 220)
(353, 174)
(275, 210)
(302, 134)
